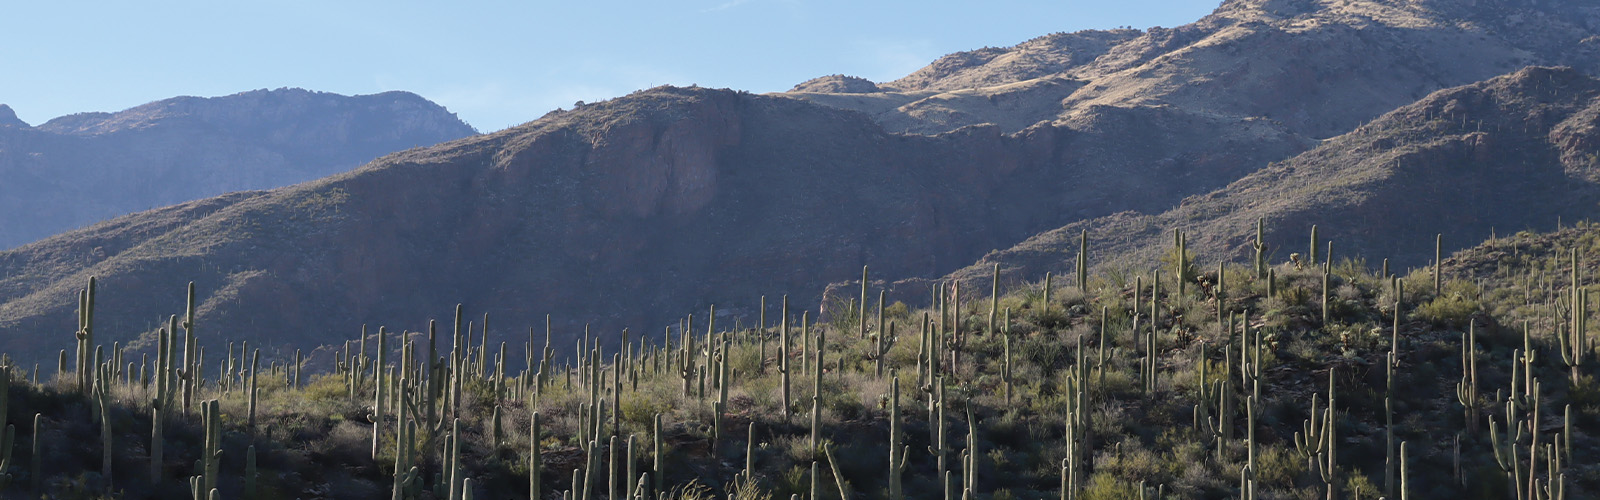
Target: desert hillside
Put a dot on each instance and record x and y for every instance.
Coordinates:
(632, 212)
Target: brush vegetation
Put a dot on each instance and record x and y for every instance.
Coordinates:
(1301, 379)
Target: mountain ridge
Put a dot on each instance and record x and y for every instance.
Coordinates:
(93, 166)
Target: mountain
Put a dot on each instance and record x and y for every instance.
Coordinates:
(1517, 152)
(1304, 70)
(638, 210)
(8, 118)
(90, 167)
(623, 213)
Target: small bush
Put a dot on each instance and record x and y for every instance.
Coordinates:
(1448, 311)
(1104, 486)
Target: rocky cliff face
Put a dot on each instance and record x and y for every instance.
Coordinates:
(79, 169)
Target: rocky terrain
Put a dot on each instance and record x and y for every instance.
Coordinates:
(79, 169)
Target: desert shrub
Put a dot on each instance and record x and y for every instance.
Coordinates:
(897, 311)
(1448, 310)
(1042, 350)
(327, 387)
(1279, 467)
(1104, 486)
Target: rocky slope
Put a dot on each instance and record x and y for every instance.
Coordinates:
(79, 169)
(624, 213)
(1515, 152)
(1313, 69)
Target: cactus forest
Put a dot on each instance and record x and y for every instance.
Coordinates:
(1288, 375)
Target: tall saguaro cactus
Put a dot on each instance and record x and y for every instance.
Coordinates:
(897, 454)
(1083, 261)
(85, 337)
(1573, 341)
(1467, 388)
(190, 374)
(1318, 441)
(994, 300)
(1260, 246)
(659, 467)
(380, 393)
(102, 400)
(211, 454)
(1312, 251)
(535, 458)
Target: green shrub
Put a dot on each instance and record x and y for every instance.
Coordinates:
(1104, 486)
(1452, 311)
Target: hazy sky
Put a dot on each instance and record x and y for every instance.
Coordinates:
(499, 64)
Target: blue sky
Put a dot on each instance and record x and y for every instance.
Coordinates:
(499, 64)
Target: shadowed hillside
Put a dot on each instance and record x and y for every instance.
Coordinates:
(622, 213)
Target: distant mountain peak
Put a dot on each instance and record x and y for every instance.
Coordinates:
(92, 166)
(251, 108)
(8, 118)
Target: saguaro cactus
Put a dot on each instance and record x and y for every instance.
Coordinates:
(862, 311)
(1318, 441)
(255, 365)
(250, 472)
(454, 473)
(1216, 397)
(380, 393)
(1467, 388)
(1083, 261)
(659, 468)
(190, 375)
(1312, 253)
(1260, 246)
(897, 452)
(34, 475)
(1181, 271)
(535, 459)
(85, 336)
(1005, 367)
(994, 300)
(1044, 297)
(783, 356)
(936, 424)
(211, 454)
(406, 474)
(1573, 341)
(102, 400)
